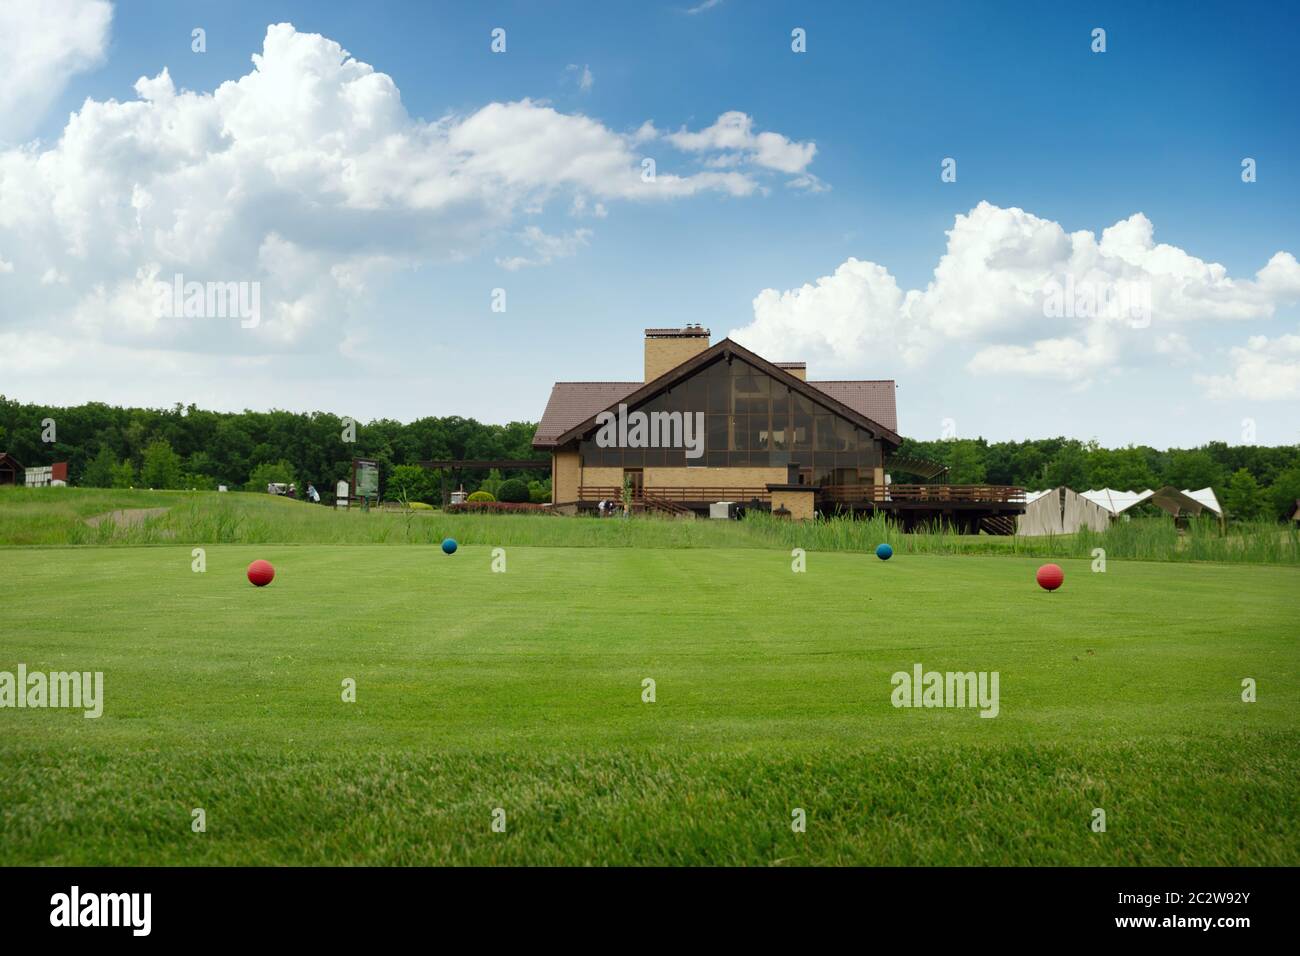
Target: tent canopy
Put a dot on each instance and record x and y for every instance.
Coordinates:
(1168, 499)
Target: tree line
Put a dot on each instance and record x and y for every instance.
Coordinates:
(189, 447)
(181, 447)
(1251, 481)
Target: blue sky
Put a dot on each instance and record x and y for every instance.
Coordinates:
(386, 301)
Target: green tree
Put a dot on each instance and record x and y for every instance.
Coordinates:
(1193, 470)
(1243, 497)
(965, 461)
(412, 481)
(491, 483)
(1068, 467)
(270, 472)
(1125, 469)
(124, 474)
(99, 473)
(161, 467)
(1285, 492)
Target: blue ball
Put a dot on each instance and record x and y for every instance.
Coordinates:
(448, 545)
(884, 552)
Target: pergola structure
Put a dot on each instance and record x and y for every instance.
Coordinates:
(923, 468)
(454, 467)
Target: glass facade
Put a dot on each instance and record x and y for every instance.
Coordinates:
(752, 420)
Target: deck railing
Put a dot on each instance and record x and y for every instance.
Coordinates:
(833, 494)
(615, 493)
(938, 494)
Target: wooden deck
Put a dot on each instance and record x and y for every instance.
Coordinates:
(615, 493)
(885, 497)
(928, 495)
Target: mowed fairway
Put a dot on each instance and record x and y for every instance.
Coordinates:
(477, 690)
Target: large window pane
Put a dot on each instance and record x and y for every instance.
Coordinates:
(719, 389)
(716, 437)
(694, 394)
(740, 432)
(825, 433)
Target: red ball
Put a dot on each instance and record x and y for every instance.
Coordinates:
(261, 573)
(1050, 577)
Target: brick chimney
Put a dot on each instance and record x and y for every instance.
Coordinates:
(798, 369)
(668, 348)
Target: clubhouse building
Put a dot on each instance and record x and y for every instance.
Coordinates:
(718, 423)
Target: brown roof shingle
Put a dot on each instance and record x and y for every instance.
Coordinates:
(875, 399)
(574, 402)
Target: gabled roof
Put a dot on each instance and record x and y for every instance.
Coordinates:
(573, 402)
(550, 431)
(873, 398)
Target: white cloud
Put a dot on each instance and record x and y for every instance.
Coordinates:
(546, 249)
(1264, 370)
(306, 176)
(990, 296)
(42, 45)
(733, 135)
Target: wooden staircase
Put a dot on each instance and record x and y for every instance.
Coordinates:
(663, 506)
(998, 524)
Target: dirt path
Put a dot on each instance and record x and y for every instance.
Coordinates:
(126, 517)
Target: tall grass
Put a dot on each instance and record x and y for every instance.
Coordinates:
(57, 516)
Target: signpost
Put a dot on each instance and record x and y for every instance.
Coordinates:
(365, 481)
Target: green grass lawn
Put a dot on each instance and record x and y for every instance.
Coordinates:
(478, 690)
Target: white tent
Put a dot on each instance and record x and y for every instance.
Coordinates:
(1206, 499)
(1059, 511)
(1115, 502)
(1168, 498)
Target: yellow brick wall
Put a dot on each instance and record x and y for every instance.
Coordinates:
(602, 477)
(566, 471)
(798, 503)
(663, 354)
(713, 477)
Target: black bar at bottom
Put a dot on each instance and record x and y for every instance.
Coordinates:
(336, 905)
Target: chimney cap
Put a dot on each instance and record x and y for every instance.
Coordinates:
(686, 332)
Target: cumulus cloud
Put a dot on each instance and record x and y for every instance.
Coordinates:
(1020, 296)
(305, 176)
(42, 46)
(1263, 370)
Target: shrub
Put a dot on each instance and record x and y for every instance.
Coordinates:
(482, 496)
(498, 507)
(513, 491)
